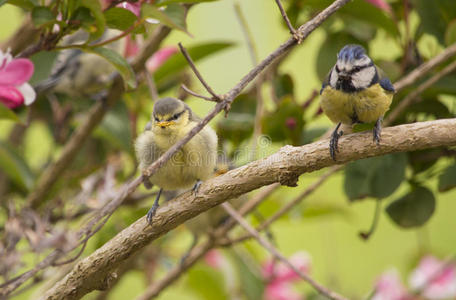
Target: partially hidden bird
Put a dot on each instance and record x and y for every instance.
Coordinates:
(195, 162)
(355, 91)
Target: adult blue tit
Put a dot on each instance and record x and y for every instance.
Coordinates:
(355, 91)
(171, 121)
(77, 73)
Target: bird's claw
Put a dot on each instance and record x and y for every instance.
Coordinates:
(196, 187)
(151, 214)
(377, 131)
(334, 142)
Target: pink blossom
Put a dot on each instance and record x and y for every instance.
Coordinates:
(131, 47)
(14, 74)
(435, 278)
(279, 272)
(214, 259)
(390, 287)
(382, 4)
(134, 7)
(281, 291)
(159, 58)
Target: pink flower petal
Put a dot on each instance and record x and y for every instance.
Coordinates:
(390, 287)
(16, 72)
(382, 4)
(11, 97)
(133, 7)
(131, 47)
(281, 291)
(159, 58)
(437, 279)
(214, 259)
(282, 273)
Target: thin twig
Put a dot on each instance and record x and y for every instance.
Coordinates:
(268, 246)
(411, 98)
(189, 91)
(287, 207)
(247, 34)
(217, 98)
(151, 85)
(424, 68)
(285, 17)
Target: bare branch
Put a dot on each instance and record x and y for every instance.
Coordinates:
(247, 33)
(411, 98)
(285, 17)
(424, 68)
(216, 97)
(268, 246)
(284, 166)
(189, 91)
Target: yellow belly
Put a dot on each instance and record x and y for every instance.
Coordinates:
(367, 105)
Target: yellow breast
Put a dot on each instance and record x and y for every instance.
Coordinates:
(365, 106)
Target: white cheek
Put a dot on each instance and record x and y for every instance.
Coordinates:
(333, 78)
(363, 78)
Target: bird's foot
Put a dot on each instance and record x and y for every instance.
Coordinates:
(151, 213)
(196, 187)
(334, 142)
(377, 131)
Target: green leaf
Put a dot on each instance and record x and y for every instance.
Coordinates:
(2, 2)
(252, 285)
(166, 2)
(238, 125)
(450, 33)
(116, 129)
(178, 14)
(118, 62)
(43, 62)
(207, 283)
(283, 85)
(376, 177)
(173, 21)
(84, 16)
(8, 114)
(285, 123)
(310, 135)
(15, 167)
(177, 63)
(42, 15)
(435, 16)
(98, 29)
(25, 4)
(413, 209)
(119, 18)
(447, 180)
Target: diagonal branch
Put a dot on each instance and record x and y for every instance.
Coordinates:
(215, 97)
(268, 246)
(285, 17)
(284, 166)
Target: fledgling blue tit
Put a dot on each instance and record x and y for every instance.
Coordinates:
(171, 121)
(77, 73)
(355, 91)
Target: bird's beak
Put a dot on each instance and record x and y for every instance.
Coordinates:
(344, 75)
(164, 124)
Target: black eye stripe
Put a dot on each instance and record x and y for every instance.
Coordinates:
(175, 116)
(359, 68)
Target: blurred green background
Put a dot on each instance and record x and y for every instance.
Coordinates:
(340, 259)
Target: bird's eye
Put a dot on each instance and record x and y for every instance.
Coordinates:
(156, 119)
(337, 69)
(175, 116)
(356, 69)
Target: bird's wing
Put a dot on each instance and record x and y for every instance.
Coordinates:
(384, 81)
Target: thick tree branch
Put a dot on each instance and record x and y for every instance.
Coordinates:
(284, 166)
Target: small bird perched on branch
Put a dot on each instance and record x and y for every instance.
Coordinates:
(172, 120)
(355, 91)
